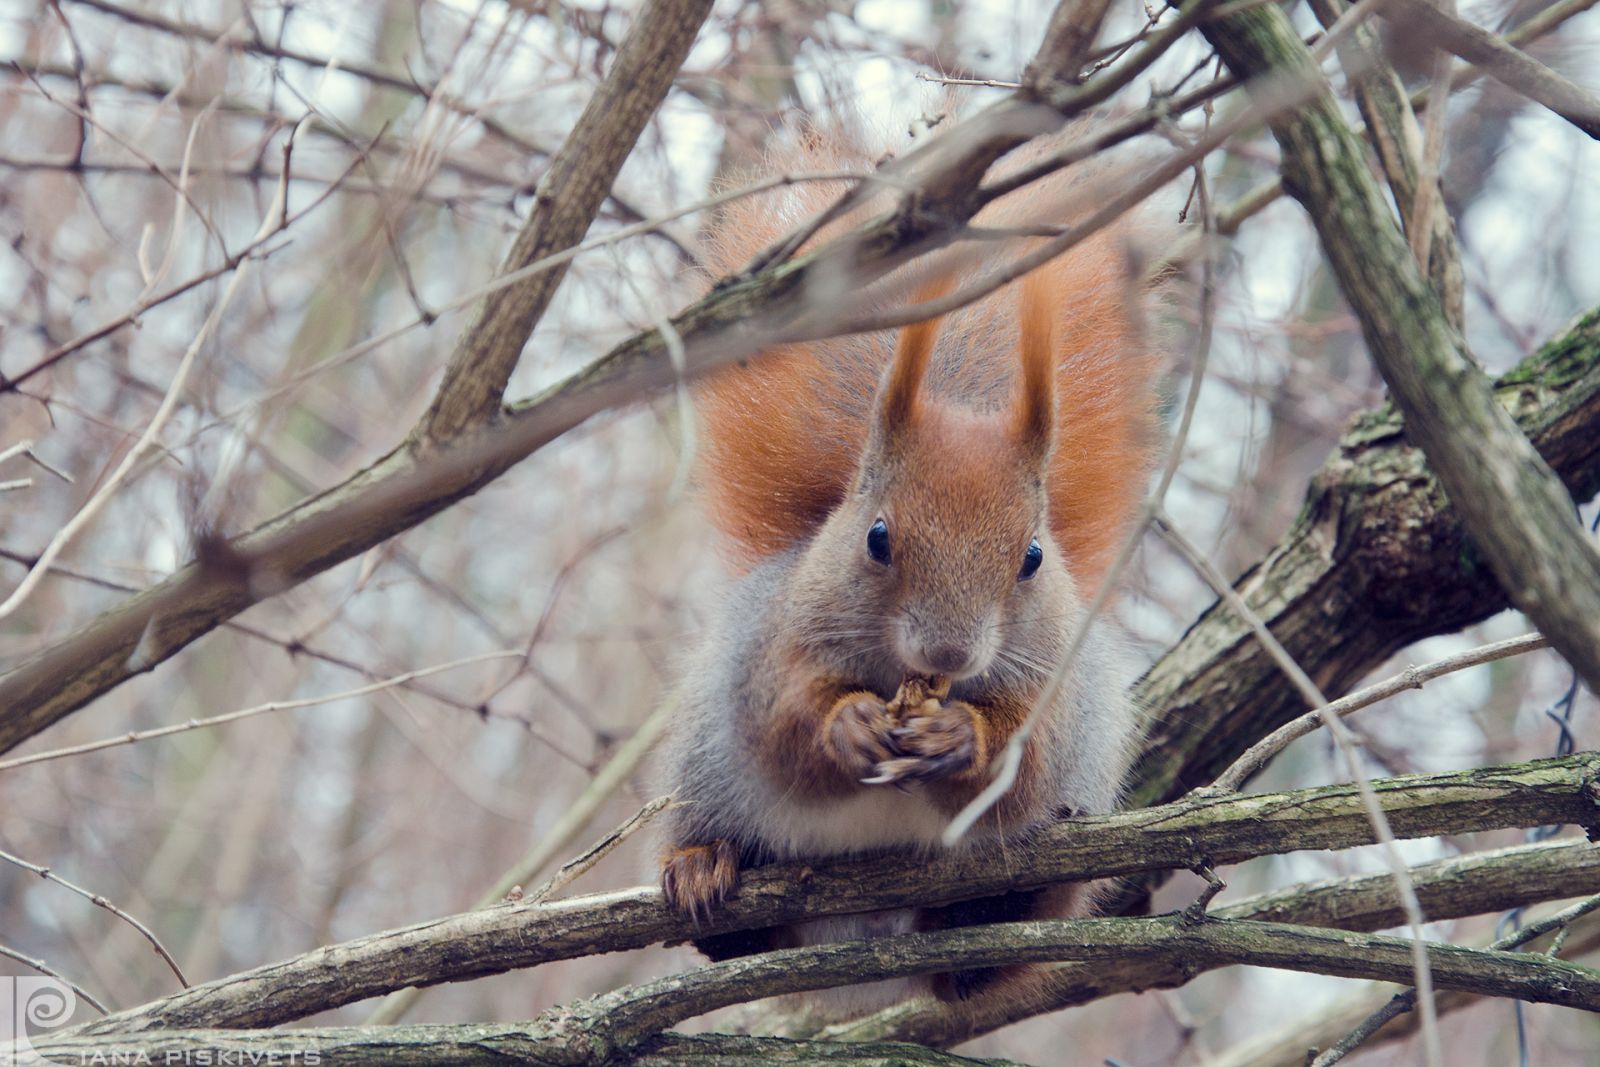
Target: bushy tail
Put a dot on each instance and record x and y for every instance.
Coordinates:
(782, 434)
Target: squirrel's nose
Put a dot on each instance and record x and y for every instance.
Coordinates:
(948, 659)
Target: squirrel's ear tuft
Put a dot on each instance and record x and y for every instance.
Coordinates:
(1034, 408)
(897, 405)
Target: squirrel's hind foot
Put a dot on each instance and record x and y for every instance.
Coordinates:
(698, 878)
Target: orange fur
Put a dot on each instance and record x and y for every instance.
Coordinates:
(782, 434)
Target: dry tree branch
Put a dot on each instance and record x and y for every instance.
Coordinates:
(1210, 828)
(1287, 1046)
(1406, 1000)
(275, 219)
(420, 478)
(135, 736)
(256, 248)
(1375, 561)
(1264, 750)
(1313, 696)
(1519, 514)
(483, 1045)
(1546, 21)
(101, 902)
(606, 1028)
(300, 647)
(570, 192)
(1514, 69)
(1403, 151)
(1448, 889)
(44, 968)
(611, 778)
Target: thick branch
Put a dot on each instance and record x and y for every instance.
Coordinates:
(478, 1045)
(1520, 516)
(1218, 829)
(1126, 952)
(569, 194)
(1512, 67)
(1449, 889)
(1376, 560)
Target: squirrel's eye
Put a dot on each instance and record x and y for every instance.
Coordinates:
(1031, 560)
(878, 542)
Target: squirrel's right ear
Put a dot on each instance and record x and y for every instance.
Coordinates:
(897, 403)
(897, 406)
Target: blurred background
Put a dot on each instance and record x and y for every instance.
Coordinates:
(141, 145)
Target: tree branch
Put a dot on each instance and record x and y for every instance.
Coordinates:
(570, 192)
(1449, 889)
(1376, 560)
(412, 483)
(1520, 516)
(1126, 952)
(1511, 67)
(1211, 828)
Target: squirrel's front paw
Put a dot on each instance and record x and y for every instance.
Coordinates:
(858, 733)
(936, 741)
(698, 878)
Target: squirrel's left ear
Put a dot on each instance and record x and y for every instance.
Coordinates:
(1034, 407)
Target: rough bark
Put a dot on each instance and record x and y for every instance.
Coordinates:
(1214, 829)
(1520, 516)
(1376, 560)
(1127, 953)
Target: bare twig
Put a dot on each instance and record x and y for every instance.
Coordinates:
(135, 736)
(570, 193)
(273, 222)
(101, 902)
(1405, 1000)
(553, 843)
(44, 968)
(1262, 752)
(1426, 196)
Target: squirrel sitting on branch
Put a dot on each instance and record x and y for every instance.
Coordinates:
(918, 520)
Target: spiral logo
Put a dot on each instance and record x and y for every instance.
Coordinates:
(28, 1004)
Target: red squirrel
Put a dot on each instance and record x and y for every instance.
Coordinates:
(921, 518)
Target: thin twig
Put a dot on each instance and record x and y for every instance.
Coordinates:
(1427, 194)
(274, 221)
(555, 841)
(135, 736)
(101, 902)
(502, 281)
(1258, 755)
(44, 968)
(576, 867)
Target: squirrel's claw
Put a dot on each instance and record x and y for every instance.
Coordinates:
(889, 773)
(698, 878)
(899, 773)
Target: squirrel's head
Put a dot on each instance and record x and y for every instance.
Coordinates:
(945, 532)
